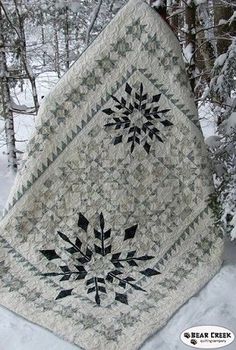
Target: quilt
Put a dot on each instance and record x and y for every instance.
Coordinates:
(109, 229)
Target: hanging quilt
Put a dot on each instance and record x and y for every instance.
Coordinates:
(109, 227)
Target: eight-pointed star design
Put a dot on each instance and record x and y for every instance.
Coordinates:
(140, 115)
(99, 265)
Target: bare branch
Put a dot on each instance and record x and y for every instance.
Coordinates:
(94, 17)
(9, 20)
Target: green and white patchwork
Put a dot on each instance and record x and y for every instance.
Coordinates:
(108, 228)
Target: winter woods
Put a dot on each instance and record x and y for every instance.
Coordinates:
(47, 36)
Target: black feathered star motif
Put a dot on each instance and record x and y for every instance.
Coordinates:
(99, 265)
(139, 118)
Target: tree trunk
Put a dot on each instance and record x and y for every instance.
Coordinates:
(24, 57)
(93, 20)
(223, 32)
(56, 54)
(206, 52)
(174, 19)
(6, 103)
(77, 32)
(67, 38)
(43, 37)
(56, 45)
(190, 19)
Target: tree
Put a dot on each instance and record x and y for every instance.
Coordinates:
(93, 20)
(6, 101)
(21, 39)
(224, 28)
(191, 43)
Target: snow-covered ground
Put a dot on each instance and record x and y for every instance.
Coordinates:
(215, 304)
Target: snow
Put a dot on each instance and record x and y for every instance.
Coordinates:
(213, 141)
(220, 60)
(60, 4)
(199, 2)
(188, 53)
(208, 120)
(6, 180)
(228, 21)
(220, 80)
(233, 233)
(230, 124)
(232, 18)
(74, 6)
(17, 334)
(158, 3)
(215, 304)
(185, 28)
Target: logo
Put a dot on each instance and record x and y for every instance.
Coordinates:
(207, 337)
